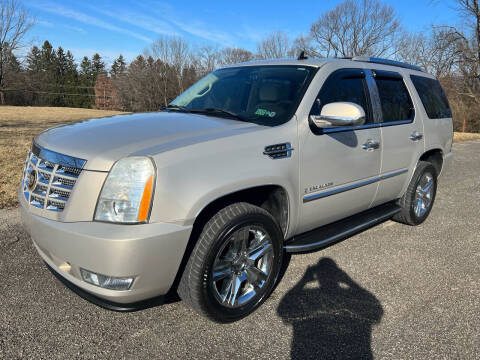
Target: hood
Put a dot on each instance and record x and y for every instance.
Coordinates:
(103, 141)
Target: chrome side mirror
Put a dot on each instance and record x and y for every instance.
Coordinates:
(339, 114)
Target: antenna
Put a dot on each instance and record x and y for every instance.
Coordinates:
(302, 56)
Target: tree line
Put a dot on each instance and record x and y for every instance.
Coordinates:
(52, 77)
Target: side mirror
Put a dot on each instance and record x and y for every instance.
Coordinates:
(339, 114)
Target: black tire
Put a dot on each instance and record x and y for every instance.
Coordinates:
(197, 287)
(407, 202)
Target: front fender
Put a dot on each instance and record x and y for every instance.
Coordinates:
(194, 176)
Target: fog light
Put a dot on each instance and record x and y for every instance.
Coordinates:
(107, 282)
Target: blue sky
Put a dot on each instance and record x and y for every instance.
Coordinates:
(128, 27)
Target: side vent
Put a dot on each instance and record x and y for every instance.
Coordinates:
(278, 151)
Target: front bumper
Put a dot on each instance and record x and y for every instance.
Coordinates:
(151, 253)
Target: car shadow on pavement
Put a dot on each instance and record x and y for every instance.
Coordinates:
(332, 316)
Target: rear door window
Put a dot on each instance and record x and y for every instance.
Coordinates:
(394, 97)
(433, 97)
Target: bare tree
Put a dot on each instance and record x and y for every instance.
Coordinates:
(437, 51)
(354, 28)
(206, 59)
(180, 59)
(464, 86)
(276, 45)
(14, 24)
(235, 55)
(470, 10)
(170, 52)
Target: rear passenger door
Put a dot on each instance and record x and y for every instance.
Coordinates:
(401, 131)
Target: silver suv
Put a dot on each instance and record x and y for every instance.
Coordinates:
(254, 161)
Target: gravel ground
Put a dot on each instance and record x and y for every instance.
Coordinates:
(394, 292)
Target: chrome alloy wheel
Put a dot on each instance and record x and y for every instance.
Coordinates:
(242, 266)
(423, 195)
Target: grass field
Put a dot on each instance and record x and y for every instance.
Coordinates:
(458, 136)
(18, 126)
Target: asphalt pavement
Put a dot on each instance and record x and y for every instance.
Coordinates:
(391, 292)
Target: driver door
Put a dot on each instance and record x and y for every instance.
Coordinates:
(339, 168)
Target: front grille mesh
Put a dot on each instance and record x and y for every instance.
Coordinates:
(52, 182)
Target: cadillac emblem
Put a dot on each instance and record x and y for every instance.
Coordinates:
(32, 180)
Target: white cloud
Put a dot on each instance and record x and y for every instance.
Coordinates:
(253, 34)
(187, 24)
(86, 19)
(44, 23)
(76, 29)
(205, 32)
(140, 20)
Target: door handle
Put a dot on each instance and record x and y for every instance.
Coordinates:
(371, 145)
(416, 136)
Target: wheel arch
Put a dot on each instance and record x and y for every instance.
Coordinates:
(273, 198)
(435, 157)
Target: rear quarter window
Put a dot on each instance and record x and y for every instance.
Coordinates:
(433, 97)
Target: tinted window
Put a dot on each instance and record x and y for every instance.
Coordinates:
(394, 98)
(433, 97)
(268, 95)
(344, 85)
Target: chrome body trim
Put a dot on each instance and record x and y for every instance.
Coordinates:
(356, 185)
(57, 158)
(365, 126)
(279, 151)
(49, 178)
(376, 60)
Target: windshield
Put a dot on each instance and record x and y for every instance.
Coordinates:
(267, 95)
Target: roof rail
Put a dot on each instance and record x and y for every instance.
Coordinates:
(387, 62)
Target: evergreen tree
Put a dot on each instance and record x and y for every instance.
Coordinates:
(12, 79)
(70, 63)
(47, 57)
(61, 64)
(98, 66)
(86, 68)
(12, 63)
(71, 81)
(34, 59)
(119, 67)
(47, 87)
(87, 81)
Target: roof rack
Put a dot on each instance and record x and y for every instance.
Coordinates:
(387, 62)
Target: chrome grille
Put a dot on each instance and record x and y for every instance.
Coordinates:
(52, 176)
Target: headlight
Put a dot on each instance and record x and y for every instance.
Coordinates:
(127, 192)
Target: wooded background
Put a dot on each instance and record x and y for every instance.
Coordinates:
(52, 77)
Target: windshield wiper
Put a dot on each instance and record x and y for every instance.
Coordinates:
(176, 108)
(220, 111)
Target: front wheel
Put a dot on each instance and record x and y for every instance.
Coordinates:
(417, 202)
(234, 265)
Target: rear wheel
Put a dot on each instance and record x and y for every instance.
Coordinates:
(234, 265)
(417, 202)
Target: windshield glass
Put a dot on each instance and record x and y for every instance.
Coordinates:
(267, 95)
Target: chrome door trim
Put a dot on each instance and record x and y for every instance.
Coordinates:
(311, 197)
(366, 126)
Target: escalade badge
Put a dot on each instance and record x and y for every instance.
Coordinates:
(32, 180)
(314, 188)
